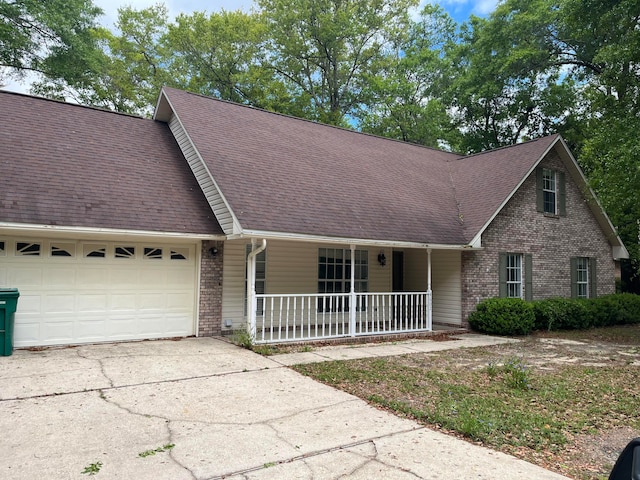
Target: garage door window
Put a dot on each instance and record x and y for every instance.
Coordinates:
(3, 252)
(95, 251)
(63, 250)
(179, 253)
(27, 249)
(152, 253)
(125, 252)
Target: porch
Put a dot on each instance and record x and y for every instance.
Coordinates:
(288, 291)
(292, 318)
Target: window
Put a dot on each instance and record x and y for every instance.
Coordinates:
(94, 251)
(27, 249)
(334, 275)
(583, 277)
(125, 252)
(550, 192)
(261, 279)
(63, 249)
(152, 253)
(179, 253)
(2, 249)
(515, 275)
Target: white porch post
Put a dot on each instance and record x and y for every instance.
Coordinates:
(429, 293)
(251, 274)
(252, 303)
(352, 309)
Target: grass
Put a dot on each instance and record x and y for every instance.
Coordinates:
(530, 399)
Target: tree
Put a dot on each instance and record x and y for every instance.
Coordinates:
(129, 68)
(223, 55)
(322, 49)
(407, 85)
(54, 38)
(507, 89)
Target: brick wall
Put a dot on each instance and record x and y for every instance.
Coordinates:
(210, 319)
(520, 228)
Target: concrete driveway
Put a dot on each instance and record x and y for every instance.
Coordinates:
(205, 409)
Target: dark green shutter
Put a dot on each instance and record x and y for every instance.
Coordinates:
(528, 275)
(502, 275)
(574, 277)
(562, 196)
(593, 278)
(539, 192)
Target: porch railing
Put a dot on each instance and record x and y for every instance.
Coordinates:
(282, 318)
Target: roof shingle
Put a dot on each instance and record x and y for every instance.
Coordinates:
(64, 164)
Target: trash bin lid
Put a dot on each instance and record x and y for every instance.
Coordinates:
(9, 292)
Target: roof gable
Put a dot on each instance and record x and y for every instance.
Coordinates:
(69, 165)
(485, 182)
(282, 174)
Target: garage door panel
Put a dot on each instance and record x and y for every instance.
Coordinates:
(123, 276)
(59, 277)
(59, 303)
(81, 298)
(123, 302)
(57, 330)
(92, 303)
(177, 300)
(92, 277)
(26, 276)
(91, 328)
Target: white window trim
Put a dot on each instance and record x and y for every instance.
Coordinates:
(519, 283)
(546, 172)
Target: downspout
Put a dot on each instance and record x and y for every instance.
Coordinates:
(429, 293)
(252, 302)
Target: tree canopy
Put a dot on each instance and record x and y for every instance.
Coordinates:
(530, 68)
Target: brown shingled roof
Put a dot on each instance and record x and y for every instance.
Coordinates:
(486, 180)
(282, 174)
(63, 164)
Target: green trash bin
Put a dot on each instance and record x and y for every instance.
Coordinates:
(8, 304)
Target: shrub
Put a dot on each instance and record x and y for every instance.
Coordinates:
(561, 314)
(503, 316)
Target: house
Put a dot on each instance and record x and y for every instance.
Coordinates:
(214, 217)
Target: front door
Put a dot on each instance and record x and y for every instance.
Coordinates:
(398, 271)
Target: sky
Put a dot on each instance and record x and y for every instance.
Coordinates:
(458, 9)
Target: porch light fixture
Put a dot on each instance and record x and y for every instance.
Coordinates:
(382, 260)
(213, 251)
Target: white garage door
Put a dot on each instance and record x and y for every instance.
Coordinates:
(82, 292)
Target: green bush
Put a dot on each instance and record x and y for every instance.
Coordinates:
(619, 309)
(503, 316)
(561, 314)
(512, 316)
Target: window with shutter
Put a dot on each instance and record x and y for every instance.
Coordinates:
(550, 192)
(583, 277)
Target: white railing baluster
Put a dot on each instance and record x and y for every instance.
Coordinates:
(318, 316)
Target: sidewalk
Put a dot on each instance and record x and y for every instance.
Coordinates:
(351, 352)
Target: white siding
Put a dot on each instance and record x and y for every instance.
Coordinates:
(211, 192)
(446, 282)
(292, 267)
